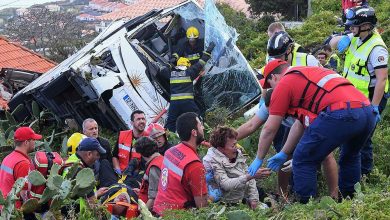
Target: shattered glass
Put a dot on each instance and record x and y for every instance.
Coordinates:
(229, 81)
(113, 75)
(190, 12)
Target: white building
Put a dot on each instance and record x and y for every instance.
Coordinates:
(53, 8)
(21, 11)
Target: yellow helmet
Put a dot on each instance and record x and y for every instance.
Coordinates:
(182, 61)
(192, 32)
(74, 141)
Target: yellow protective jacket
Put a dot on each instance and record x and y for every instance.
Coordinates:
(355, 65)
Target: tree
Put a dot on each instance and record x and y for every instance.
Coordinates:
(289, 9)
(54, 34)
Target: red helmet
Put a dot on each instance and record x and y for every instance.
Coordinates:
(155, 130)
(274, 66)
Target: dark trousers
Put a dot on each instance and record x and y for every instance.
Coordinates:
(366, 152)
(348, 128)
(178, 107)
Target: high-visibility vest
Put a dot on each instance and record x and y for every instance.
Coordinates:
(143, 191)
(321, 80)
(7, 172)
(126, 151)
(355, 65)
(296, 47)
(182, 87)
(171, 194)
(299, 59)
(72, 159)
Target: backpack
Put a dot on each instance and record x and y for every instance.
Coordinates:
(43, 161)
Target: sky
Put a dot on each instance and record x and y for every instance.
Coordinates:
(21, 3)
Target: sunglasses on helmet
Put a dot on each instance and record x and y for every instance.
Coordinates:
(350, 14)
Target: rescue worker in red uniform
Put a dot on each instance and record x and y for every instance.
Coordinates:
(331, 112)
(17, 164)
(182, 183)
(148, 149)
(125, 159)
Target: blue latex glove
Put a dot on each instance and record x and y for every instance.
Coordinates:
(255, 165)
(343, 44)
(261, 101)
(276, 161)
(118, 171)
(215, 193)
(209, 176)
(376, 112)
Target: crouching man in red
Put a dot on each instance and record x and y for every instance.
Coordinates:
(183, 184)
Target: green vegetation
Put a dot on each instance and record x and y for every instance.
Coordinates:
(373, 194)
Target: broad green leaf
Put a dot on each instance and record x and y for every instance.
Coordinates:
(56, 203)
(35, 109)
(54, 169)
(30, 206)
(2, 200)
(54, 181)
(85, 178)
(17, 109)
(47, 195)
(51, 137)
(9, 130)
(36, 178)
(64, 146)
(10, 118)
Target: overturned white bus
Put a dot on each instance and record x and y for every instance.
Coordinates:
(117, 72)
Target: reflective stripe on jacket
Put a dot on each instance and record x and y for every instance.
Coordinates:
(355, 65)
(181, 85)
(126, 151)
(320, 80)
(171, 194)
(299, 59)
(7, 176)
(181, 81)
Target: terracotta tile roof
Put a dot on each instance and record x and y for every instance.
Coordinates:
(84, 15)
(15, 56)
(143, 6)
(139, 8)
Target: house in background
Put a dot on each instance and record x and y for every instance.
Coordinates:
(140, 7)
(106, 6)
(18, 67)
(53, 8)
